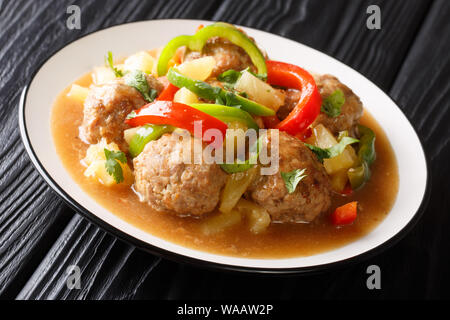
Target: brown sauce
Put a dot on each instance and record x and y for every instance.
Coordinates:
(279, 241)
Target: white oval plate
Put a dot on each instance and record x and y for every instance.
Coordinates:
(80, 56)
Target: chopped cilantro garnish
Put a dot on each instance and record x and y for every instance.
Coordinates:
(260, 77)
(292, 178)
(109, 63)
(332, 105)
(229, 76)
(228, 99)
(112, 164)
(333, 151)
(137, 80)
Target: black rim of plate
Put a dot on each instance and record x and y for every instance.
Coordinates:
(176, 257)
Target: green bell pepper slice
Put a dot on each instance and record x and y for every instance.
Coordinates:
(227, 114)
(231, 168)
(206, 91)
(197, 41)
(200, 88)
(360, 175)
(144, 135)
(366, 151)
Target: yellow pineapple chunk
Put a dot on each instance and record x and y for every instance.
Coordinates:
(323, 138)
(142, 61)
(260, 91)
(129, 134)
(95, 161)
(220, 222)
(198, 69)
(102, 75)
(339, 180)
(78, 93)
(257, 217)
(185, 96)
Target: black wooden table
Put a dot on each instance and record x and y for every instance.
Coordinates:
(40, 236)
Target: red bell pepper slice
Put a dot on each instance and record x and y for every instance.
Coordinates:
(308, 107)
(168, 93)
(305, 134)
(271, 121)
(345, 214)
(178, 115)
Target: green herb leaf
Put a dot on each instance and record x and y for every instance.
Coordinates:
(332, 105)
(220, 101)
(137, 80)
(153, 93)
(320, 153)
(230, 76)
(291, 179)
(333, 151)
(228, 99)
(337, 149)
(112, 164)
(228, 86)
(260, 77)
(110, 63)
(231, 100)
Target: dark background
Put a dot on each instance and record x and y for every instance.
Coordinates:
(40, 236)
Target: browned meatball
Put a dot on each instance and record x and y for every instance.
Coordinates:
(290, 101)
(106, 108)
(227, 55)
(168, 184)
(312, 195)
(351, 111)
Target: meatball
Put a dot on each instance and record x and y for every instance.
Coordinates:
(291, 97)
(351, 111)
(227, 55)
(168, 184)
(106, 108)
(312, 195)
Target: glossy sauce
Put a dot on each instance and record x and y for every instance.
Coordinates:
(279, 241)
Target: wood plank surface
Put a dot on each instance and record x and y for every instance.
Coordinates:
(31, 215)
(40, 237)
(421, 89)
